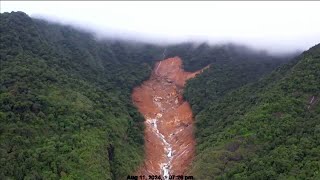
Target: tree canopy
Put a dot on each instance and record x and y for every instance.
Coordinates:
(66, 110)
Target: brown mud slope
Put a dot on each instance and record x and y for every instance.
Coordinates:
(169, 141)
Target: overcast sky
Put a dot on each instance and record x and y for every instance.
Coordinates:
(275, 26)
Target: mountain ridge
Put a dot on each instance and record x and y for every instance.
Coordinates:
(66, 111)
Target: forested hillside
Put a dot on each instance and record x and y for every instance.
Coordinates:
(265, 130)
(66, 110)
(231, 66)
(65, 106)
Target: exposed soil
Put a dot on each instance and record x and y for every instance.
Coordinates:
(169, 141)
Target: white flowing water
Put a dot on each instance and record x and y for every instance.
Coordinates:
(165, 167)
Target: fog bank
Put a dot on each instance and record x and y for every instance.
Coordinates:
(278, 27)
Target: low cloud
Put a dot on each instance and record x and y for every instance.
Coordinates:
(278, 27)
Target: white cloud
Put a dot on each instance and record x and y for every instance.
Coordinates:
(276, 26)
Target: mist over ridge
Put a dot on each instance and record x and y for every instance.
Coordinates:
(68, 108)
(140, 38)
(276, 27)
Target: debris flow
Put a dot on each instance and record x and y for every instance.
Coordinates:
(169, 141)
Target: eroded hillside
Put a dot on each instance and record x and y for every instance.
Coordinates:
(169, 141)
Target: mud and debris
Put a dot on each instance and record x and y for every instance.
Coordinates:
(169, 141)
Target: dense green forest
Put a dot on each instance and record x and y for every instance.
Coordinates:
(66, 110)
(264, 130)
(231, 66)
(65, 106)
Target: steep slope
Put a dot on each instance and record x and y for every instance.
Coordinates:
(232, 67)
(169, 142)
(65, 106)
(266, 130)
(65, 98)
